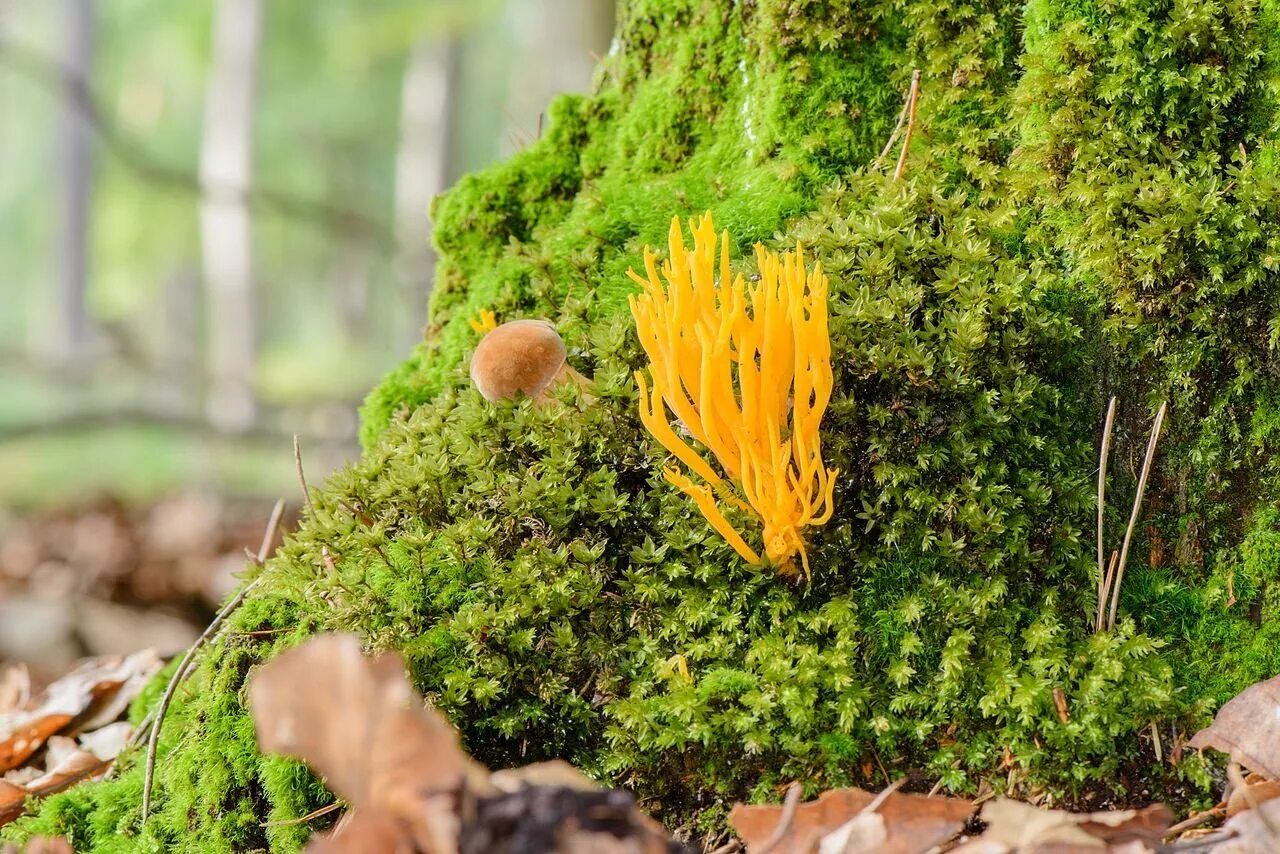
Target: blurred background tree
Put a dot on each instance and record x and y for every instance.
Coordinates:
(213, 219)
(213, 236)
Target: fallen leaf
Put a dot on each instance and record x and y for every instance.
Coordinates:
(1256, 793)
(79, 693)
(66, 764)
(1022, 827)
(22, 776)
(866, 832)
(141, 666)
(1248, 729)
(15, 687)
(106, 743)
(913, 823)
(557, 772)
(12, 799)
(1250, 832)
(362, 727)
(367, 830)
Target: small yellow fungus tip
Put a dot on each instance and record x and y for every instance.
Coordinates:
(746, 370)
(486, 322)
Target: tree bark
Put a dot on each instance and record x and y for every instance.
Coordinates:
(422, 163)
(559, 42)
(69, 342)
(226, 161)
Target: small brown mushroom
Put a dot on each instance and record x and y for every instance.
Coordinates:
(521, 357)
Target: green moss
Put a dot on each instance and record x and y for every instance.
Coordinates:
(1076, 220)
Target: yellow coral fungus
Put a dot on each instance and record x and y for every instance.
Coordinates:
(486, 322)
(745, 368)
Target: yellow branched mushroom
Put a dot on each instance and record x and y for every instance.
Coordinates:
(746, 370)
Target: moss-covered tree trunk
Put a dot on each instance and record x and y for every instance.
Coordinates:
(1088, 207)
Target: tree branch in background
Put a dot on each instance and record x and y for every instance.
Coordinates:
(55, 76)
(139, 417)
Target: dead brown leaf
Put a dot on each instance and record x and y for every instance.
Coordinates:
(70, 699)
(12, 799)
(15, 687)
(1248, 729)
(106, 743)
(554, 773)
(364, 831)
(66, 764)
(1255, 789)
(1013, 826)
(358, 722)
(1255, 831)
(912, 823)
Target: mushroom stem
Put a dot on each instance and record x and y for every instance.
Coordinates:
(564, 375)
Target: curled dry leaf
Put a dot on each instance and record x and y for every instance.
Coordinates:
(1248, 728)
(362, 727)
(554, 773)
(1013, 826)
(77, 697)
(66, 764)
(1251, 832)
(358, 722)
(1252, 790)
(12, 799)
(866, 832)
(106, 743)
(912, 823)
(15, 688)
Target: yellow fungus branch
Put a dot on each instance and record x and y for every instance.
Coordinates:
(485, 323)
(745, 370)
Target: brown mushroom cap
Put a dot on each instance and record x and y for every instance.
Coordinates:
(522, 356)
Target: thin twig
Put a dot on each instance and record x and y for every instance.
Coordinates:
(731, 847)
(1155, 740)
(188, 660)
(1106, 589)
(884, 795)
(1102, 504)
(789, 807)
(911, 123)
(893, 137)
(302, 476)
(303, 819)
(1137, 510)
(1203, 842)
(1193, 821)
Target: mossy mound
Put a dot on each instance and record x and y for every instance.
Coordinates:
(1090, 207)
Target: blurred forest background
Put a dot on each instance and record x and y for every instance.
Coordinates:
(214, 236)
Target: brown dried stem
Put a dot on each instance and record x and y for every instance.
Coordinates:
(1137, 510)
(911, 123)
(1102, 505)
(187, 664)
